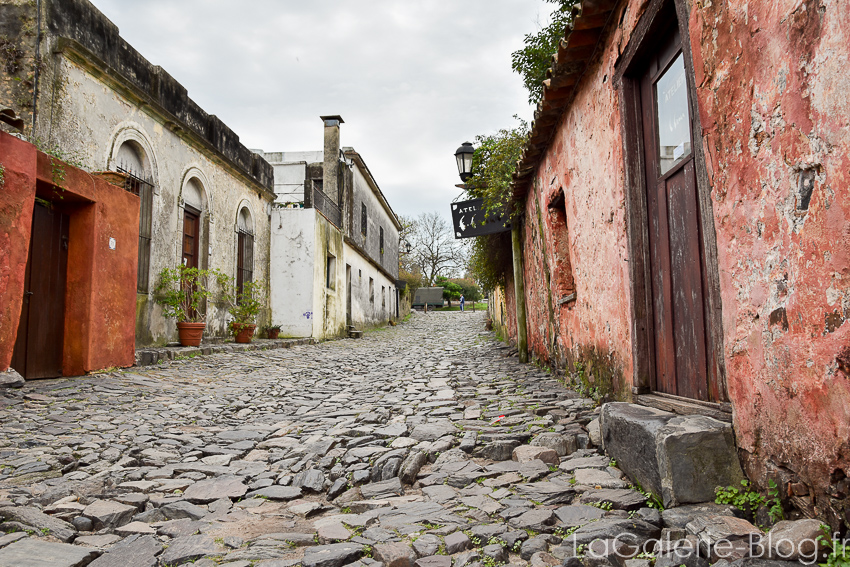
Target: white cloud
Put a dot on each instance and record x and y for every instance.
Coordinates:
(411, 78)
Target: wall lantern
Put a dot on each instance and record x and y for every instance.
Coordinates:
(463, 155)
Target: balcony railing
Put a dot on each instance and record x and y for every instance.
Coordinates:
(327, 207)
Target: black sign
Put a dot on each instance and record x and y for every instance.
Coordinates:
(469, 220)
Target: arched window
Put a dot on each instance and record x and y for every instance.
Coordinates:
(244, 248)
(132, 160)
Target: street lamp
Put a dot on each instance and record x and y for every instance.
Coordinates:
(407, 246)
(463, 155)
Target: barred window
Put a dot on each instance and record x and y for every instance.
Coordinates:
(139, 184)
(244, 250)
(363, 219)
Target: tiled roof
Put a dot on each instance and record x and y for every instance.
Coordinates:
(575, 51)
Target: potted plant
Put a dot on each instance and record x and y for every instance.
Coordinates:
(245, 305)
(273, 331)
(181, 292)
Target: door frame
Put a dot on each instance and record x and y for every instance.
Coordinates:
(658, 15)
(53, 274)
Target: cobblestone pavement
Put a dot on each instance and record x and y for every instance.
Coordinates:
(426, 442)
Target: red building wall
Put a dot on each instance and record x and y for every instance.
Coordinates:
(100, 297)
(774, 98)
(774, 101)
(17, 197)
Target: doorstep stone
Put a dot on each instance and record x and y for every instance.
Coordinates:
(681, 459)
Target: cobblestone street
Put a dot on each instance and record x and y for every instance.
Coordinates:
(426, 442)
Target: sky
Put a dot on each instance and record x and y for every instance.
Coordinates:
(412, 79)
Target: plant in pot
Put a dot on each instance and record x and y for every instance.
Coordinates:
(272, 331)
(181, 291)
(245, 305)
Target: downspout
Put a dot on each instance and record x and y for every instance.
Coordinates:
(519, 292)
(37, 64)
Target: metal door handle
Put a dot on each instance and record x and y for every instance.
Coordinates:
(28, 293)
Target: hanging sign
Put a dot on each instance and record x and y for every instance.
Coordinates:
(470, 219)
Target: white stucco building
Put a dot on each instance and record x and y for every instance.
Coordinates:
(334, 242)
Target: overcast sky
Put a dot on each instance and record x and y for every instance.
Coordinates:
(412, 79)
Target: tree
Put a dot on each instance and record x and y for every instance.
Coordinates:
(435, 250)
(493, 166)
(533, 60)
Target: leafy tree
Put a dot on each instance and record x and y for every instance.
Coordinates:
(469, 288)
(493, 165)
(435, 251)
(533, 60)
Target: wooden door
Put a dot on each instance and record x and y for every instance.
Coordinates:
(676, 257)
(191, 237)
(41, 331)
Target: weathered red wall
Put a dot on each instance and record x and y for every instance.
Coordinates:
(100, 300)
(774, 96)
(585, 160)
(774, 100)
(17, 198)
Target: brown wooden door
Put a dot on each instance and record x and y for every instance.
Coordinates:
(676, 258)
(41, 332)
(191, 237)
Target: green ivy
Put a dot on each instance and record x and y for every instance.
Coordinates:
(839, 551)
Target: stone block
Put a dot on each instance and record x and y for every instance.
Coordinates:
(528, 453)
(394, 554)
(32, 552)
(681, 459)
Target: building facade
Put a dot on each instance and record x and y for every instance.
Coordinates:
(205, 198)
(686, 227)
(334, 242)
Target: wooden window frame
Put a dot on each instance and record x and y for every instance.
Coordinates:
(627, 83)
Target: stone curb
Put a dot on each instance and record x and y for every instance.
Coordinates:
(153, 356)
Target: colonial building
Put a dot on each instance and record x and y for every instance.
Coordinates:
(686, 225)
(205, 198)
(334, 242)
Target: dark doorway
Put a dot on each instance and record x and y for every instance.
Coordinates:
(191, 237)
(38, 348)
(348, 295)
(673, 216)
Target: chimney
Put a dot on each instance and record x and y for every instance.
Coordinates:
(330, 169)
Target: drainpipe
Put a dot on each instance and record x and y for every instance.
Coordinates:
(519, 292)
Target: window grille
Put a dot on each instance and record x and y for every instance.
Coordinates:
(143, 187)
(363, 219)
(244, 260)
(381, 241)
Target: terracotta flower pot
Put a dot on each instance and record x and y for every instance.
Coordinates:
(274, 333)
(190, 333)
(244, 333)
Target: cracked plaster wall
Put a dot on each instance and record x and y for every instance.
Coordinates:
(774, 100)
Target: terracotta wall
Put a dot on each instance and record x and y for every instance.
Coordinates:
(101, 291)
(17, 197)
(774, 101)
(584, 161)
(774, 97)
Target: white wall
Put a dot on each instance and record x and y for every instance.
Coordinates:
(89, 119)
(293, 249)
(364, 312)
